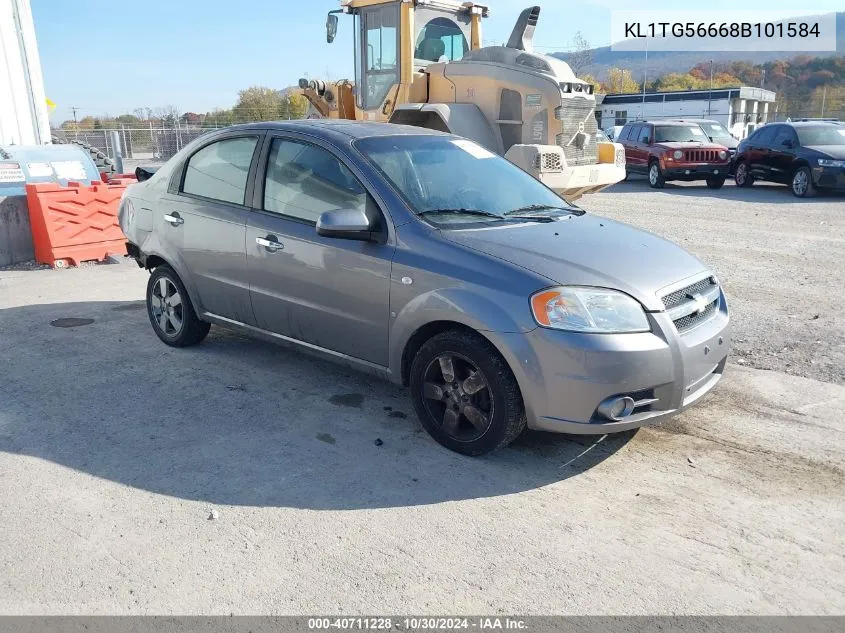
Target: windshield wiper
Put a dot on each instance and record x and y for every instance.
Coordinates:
(543, 207)
(488, 214)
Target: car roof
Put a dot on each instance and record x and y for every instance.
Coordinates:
(805, 123)
(672, 122)
(340, 129)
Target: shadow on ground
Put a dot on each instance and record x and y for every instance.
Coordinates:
(238, 421)
(760, 192)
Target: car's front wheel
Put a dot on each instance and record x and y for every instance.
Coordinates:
(716, 182)
(655, 176)
(802, 183)
(742, 175)
(170, 310)
(465, 394)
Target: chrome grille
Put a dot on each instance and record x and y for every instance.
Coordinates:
(691, 320)
(683, 304)
(679, 296)
(577, 115)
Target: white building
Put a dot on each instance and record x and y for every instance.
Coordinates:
(741, 109)
(23, 106)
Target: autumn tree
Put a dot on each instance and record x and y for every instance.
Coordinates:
(621, 80)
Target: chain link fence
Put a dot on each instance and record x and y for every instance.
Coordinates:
(139, 143)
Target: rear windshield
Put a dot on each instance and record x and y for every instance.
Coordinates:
(821, 135)
(679, 134)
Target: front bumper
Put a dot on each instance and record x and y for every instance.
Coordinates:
(564, 376)
(673, 171)
(829, 177)
(574, 182)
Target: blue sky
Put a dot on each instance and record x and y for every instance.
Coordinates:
(196, 54)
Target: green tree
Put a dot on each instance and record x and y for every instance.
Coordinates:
(259, 103)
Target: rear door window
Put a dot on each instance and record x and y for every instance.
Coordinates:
(766, 135)
(219, 171)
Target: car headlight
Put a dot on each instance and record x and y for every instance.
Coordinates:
(583, 309)
(827, 162)
(677, 154)
(723, 154)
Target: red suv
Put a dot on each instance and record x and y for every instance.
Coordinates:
(673, 150)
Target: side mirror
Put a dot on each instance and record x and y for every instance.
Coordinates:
(144, 173)
(331, 27)
(345, 224)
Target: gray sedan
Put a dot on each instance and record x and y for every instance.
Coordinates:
(427, 259)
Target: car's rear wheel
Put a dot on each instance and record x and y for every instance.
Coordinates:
(170, 310)
(655, 176)
(742, 175)
(716, 182)
(802, 183)
(465, 394)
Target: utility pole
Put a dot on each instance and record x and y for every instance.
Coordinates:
(763, 79)
(645, 79)
(75, 123)
(824, 96)
(710, 94)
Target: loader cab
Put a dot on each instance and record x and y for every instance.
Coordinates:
(396, 40)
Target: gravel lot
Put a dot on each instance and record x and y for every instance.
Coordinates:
(115, 450)
(781, 260)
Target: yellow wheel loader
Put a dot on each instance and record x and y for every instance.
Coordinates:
(421, 62)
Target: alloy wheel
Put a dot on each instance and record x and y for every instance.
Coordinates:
(167, 308)
(800, 182)
(741, 174)
(457, 397)
(653, 174)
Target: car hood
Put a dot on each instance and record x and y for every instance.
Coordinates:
(834, 151)
(588, 251)
(730, 143)
(669, 145)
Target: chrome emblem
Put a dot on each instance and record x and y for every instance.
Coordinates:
(701, 303)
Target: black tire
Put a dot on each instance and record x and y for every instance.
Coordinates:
(801, 183)
(191, 330)
(499, 400)
(716, 182)
(655, 176)
(742, 175)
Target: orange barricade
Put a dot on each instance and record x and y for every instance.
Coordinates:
(76, 223)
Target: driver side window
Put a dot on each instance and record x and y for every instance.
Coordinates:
(304, 180)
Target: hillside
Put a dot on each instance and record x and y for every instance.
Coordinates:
(663, 62)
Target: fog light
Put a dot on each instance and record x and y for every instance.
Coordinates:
(616, 408)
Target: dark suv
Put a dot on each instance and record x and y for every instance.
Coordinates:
(673, 150)
(805, 155)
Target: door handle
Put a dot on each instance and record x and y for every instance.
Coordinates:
(174, 219)
(271, 245)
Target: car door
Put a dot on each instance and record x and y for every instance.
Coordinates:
(758, 150)
(629, 142)
(204, 219)
(781, 156)
(645, 136)
(328, 292)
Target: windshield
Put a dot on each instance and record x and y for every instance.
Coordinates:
(821, 135)
(678, 134)
(716, 130)
(442, 173)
